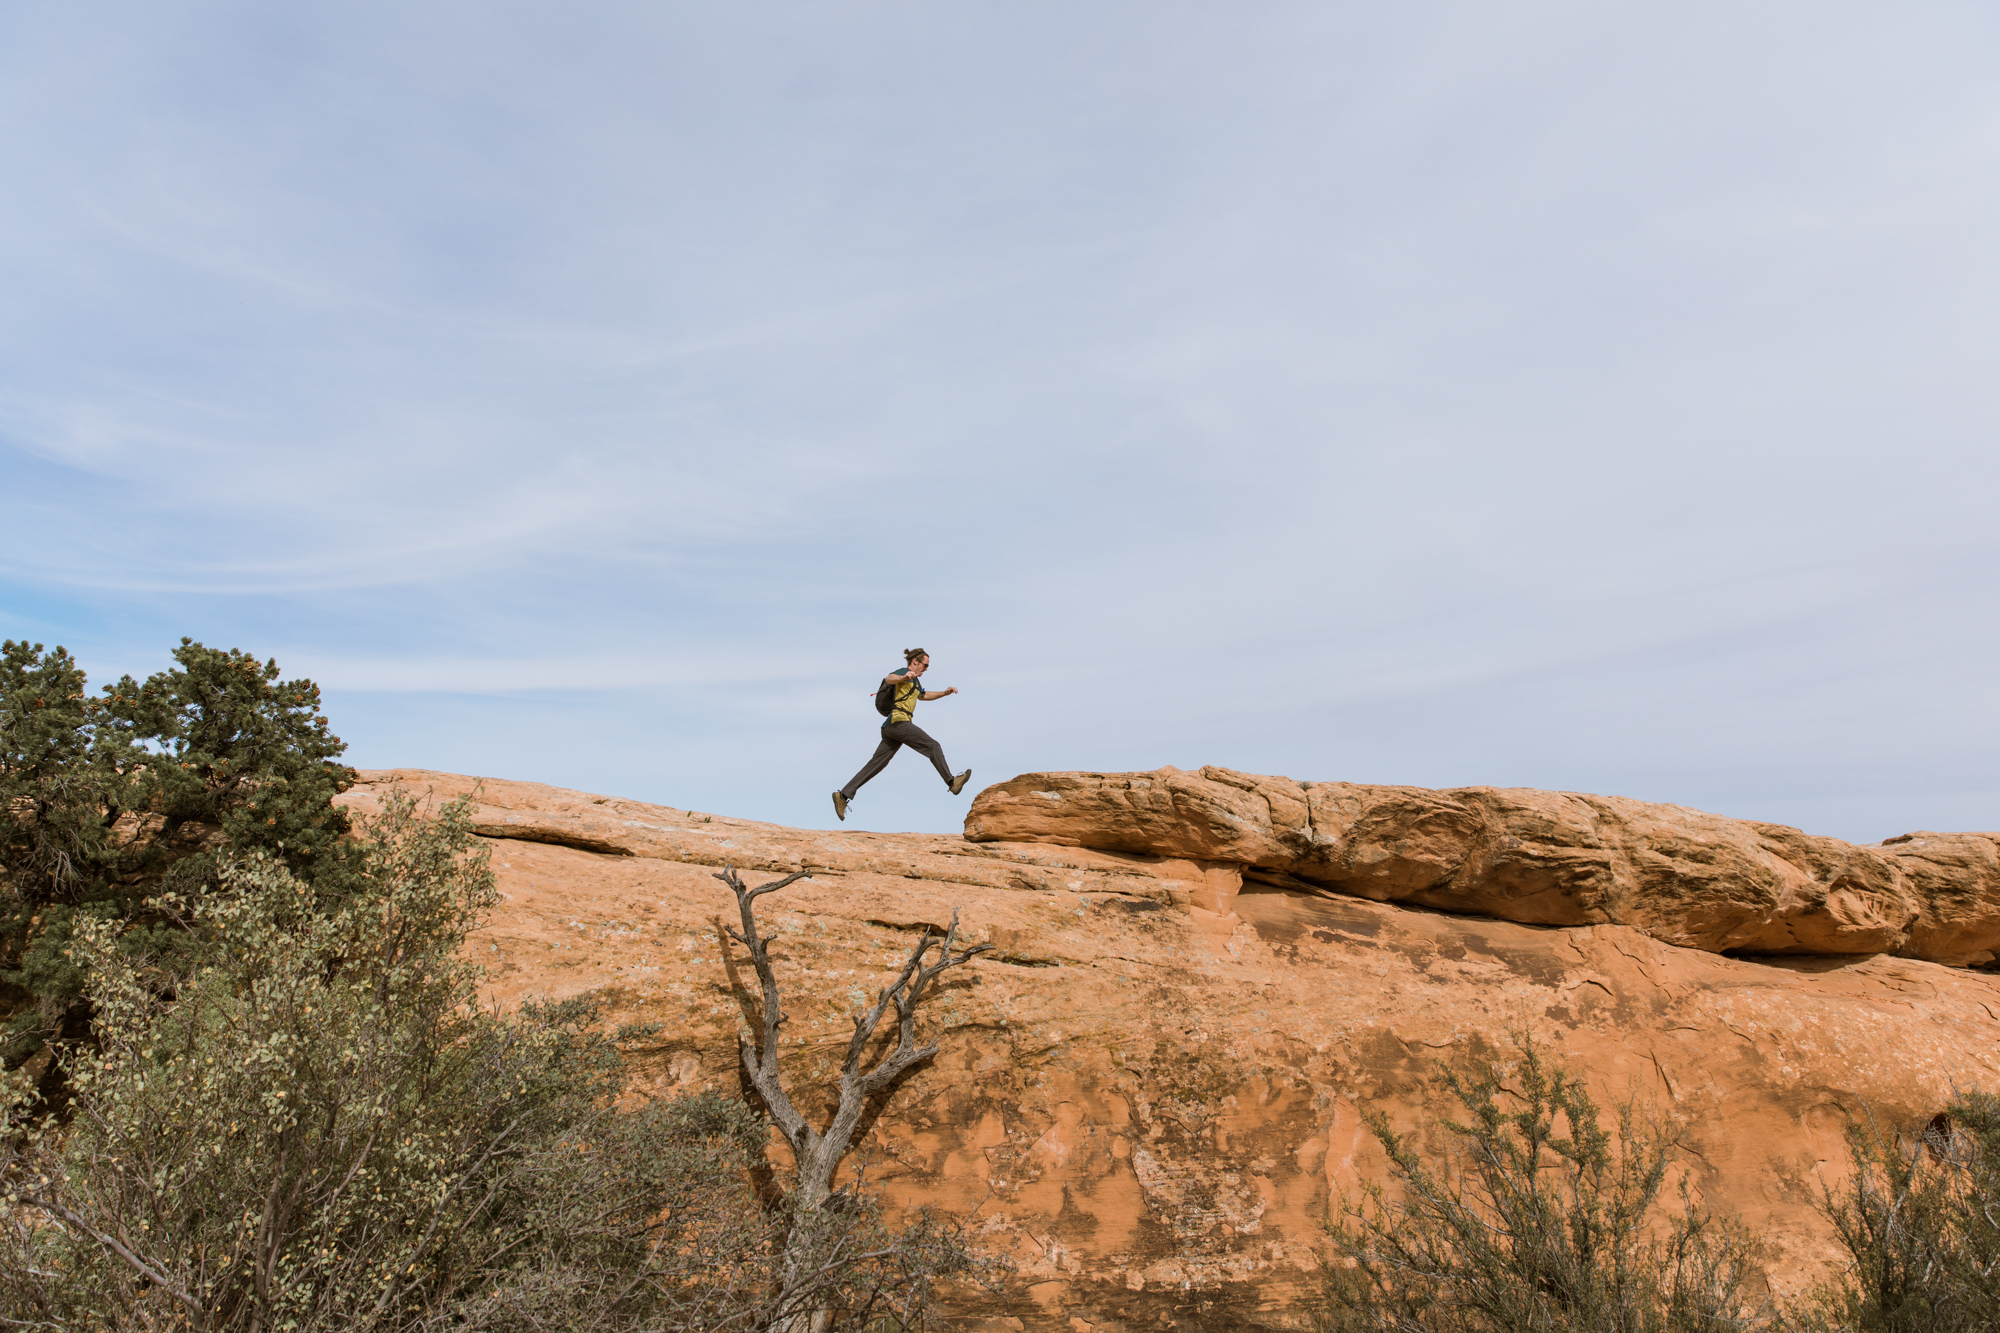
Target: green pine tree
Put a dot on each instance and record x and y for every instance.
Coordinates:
(108, 802)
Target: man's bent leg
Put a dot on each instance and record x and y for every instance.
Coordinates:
(914, 736)
(883, 754)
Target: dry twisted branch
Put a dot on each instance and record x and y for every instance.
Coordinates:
(819, 1152)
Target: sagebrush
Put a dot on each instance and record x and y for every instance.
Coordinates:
(1919, 1217)
(1538, 1218)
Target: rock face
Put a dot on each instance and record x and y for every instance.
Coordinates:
(1154, 1087)
(1537, 857)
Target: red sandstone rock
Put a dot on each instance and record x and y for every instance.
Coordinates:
(1545, 858)
(1151, 1094)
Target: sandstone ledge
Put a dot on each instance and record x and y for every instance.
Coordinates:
(1544, 858)
(1151, 1097)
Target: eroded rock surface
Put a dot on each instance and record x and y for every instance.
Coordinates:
(1538, 857)
(1151, 1092)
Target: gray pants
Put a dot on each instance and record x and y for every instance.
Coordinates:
(895, 735)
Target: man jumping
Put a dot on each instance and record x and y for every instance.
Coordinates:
(906, 682)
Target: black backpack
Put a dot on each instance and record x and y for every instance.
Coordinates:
(885, 696)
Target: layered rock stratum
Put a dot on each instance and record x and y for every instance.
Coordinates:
(1153, 1086)
(1538, 857)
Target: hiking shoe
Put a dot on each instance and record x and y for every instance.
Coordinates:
(840, 806)
(958, 783)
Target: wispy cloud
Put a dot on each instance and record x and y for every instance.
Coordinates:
(1438, 393)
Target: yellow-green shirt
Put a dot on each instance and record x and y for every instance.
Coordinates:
(907, 694)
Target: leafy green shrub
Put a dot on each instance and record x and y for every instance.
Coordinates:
(105, 802)
(320, 1129)
(1920, 1219)
(1540, 1220)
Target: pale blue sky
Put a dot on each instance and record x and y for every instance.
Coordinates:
(1562, 395)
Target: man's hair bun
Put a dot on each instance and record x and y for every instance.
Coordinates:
(912, 654)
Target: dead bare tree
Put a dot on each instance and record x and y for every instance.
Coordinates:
(818, 1152)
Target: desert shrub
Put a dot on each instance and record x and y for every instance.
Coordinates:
(106, 802)
(315, 1127)
(1537, 1219)
(1920, 1220)
(844, 1267)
